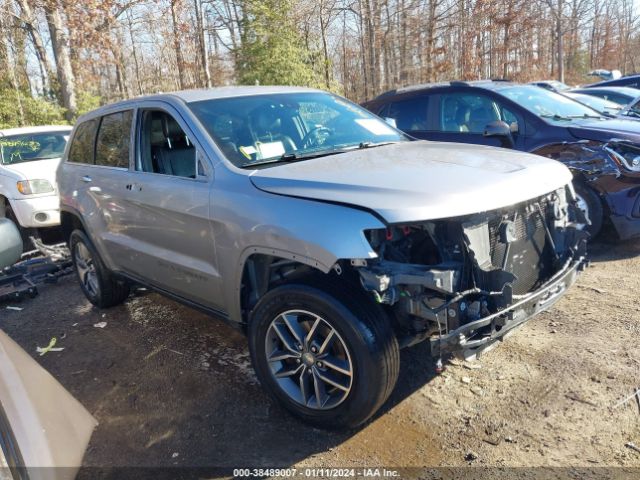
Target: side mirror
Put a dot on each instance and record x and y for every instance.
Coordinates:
(501, 130)
(391, 121)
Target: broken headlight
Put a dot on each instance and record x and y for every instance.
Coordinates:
(624, 154)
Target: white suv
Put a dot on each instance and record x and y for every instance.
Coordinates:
(29, 158)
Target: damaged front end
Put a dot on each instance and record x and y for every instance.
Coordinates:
(465, 282)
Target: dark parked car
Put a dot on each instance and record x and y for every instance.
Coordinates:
(605, 107)
(632, 81)
(620, 95)
(603, 153)
(632, 110)
(553, 85)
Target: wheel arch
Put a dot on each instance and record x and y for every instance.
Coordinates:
(262, 269)
(70, 221)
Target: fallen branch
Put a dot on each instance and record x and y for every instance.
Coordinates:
(635, 394)
(574, 396)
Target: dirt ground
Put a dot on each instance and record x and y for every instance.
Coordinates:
(171, 386)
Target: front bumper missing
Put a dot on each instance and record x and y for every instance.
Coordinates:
(475, 337)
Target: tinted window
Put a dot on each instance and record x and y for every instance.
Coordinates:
(615, 97)
(410, 115)
(634, 110)
(31, 147)
(83, 142)
(114, 138)
(466, 113)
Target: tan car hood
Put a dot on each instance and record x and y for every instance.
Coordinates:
(50, 427)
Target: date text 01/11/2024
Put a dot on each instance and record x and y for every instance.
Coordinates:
(316, 472)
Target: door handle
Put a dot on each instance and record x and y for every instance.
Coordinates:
(133, 186)
(86, 179)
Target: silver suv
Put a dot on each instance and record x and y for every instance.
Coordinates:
(329, 237)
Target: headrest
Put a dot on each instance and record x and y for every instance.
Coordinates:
(172, 129)
(156, 136)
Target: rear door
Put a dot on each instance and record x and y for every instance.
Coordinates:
(101, 150)
(409, 115)
(170, 242)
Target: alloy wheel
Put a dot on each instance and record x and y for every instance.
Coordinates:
(309, 360)
(86, 269)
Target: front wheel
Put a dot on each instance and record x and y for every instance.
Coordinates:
(99, 285)
(330, 358)
(588, 201)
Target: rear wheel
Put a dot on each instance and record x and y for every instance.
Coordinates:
(329, 357)
(589, 202)
(100, 286)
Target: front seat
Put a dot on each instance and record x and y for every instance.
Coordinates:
(462, 117)
(268, 129)
(178, 155)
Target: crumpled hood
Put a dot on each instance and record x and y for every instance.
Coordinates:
(413, 181)
(606, 130)
(36, 170)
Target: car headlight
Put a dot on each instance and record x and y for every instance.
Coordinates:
(625, 154)
(34, 187)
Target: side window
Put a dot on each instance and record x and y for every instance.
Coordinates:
(114, 139)
(613, 97)
(164, 147)
(81, 150)
(410, 115)
(510, 119)
(466, 113)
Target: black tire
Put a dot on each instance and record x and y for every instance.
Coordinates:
(103, 289)
(362, 327)
(595, 210)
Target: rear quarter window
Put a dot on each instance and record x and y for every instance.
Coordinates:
(410, 114)
(81, 149)
(114, 140)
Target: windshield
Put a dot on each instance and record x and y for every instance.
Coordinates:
(33, 146)
(597, 103)
(633, 110)
(548, 105)
(267, 129)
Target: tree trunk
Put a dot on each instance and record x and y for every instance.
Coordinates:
(559, 42)
(202, 43)
(31, 26)
(7, 51)
(60, 45)
(176, 45)
(136, 62)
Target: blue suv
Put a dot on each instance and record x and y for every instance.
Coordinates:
(603, 153)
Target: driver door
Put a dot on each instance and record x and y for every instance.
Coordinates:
(462, 118)
(170, 237)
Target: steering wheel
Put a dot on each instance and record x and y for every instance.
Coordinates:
(313, 138)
